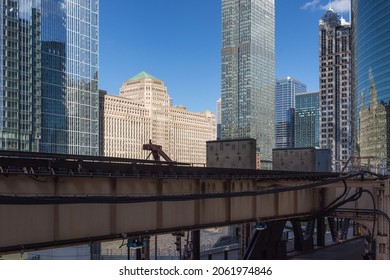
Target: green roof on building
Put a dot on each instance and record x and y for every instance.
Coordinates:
(141, 76)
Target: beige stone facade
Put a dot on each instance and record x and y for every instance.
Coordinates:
(143, 111)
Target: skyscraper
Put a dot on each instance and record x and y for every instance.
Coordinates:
(335, 87)
(49, 76)
(286, 88)
(306, 120)
(218, 119)
(20, 75)
(371, 82)
(248, 72)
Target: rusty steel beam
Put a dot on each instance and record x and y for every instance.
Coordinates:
(52, 200)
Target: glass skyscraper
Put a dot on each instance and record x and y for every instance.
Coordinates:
(306, 120)
(286, 88)
(218, 119)
(371, 81)
(20, 75)
(49, 97)
(248, 72)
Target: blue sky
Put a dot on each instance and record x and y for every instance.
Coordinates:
(179, 42)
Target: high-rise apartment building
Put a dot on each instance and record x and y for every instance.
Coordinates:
(371, 81)
(143, 112)
(49, 76)
(335, 87)
(306, 120)
(248, 73)
(286, 89)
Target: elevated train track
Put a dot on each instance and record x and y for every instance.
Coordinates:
(45, 164)
(54, 200)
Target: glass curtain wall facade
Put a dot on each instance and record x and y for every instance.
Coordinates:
(286, 88)
(335, 88)
(306, 120)
(371, 80)
(51, 48)
(70, 96)
(248, 73)
(20, 75)
(219, 119)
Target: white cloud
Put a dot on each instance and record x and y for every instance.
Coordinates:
(313, 5)
(339, 6)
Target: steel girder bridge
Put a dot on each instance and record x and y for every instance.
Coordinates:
(49, 200)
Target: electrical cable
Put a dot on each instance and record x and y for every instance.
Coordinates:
(374, 205)
(340, 197)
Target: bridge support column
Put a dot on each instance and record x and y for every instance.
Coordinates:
(339, 228)
(196, 245)
(321, 230)
(303, 241)
(267, 244)
(244, 239)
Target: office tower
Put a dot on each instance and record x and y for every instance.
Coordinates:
(219, 118)
(49, 76)
(143, 112)
(335, 87)
(306, 120)
(248, 73)
(371, 90)
(20, 76)
(286, 88)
